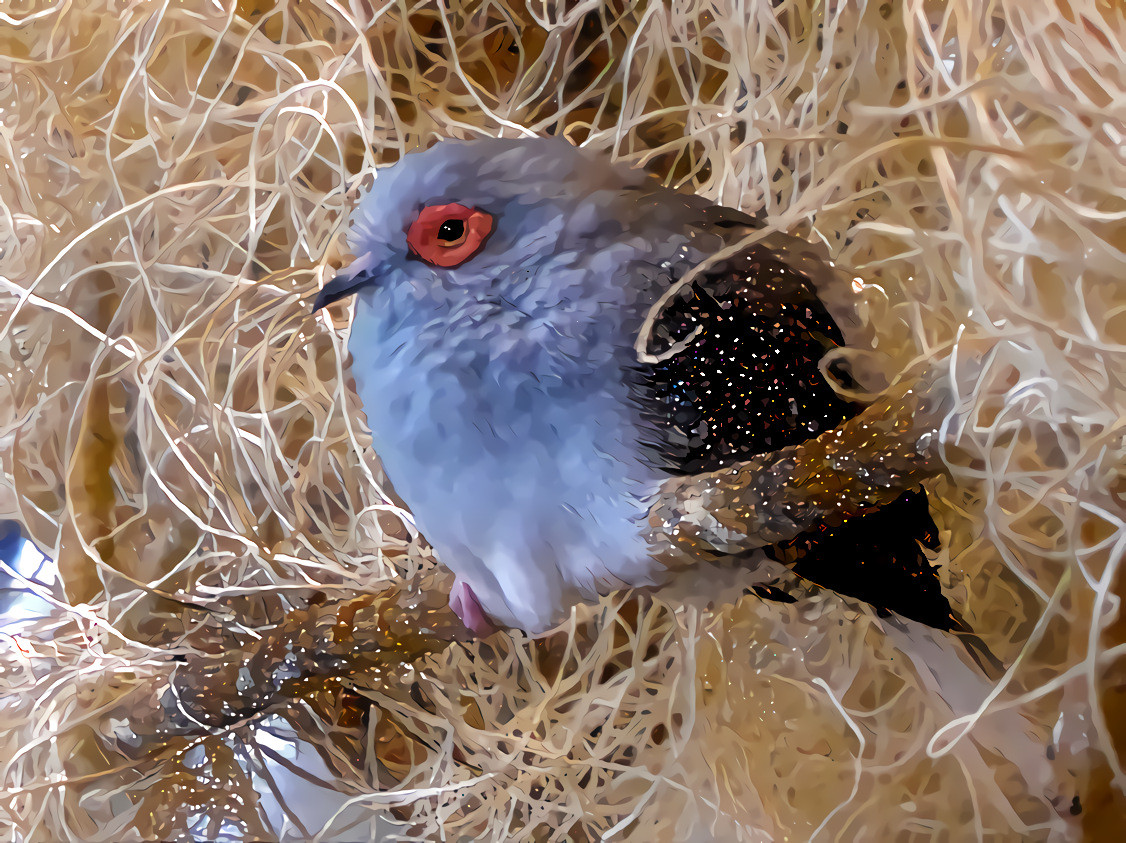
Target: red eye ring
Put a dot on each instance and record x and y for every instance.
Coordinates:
(448, 235)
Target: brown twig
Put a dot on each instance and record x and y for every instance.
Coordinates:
(365, 633)
(868, 461)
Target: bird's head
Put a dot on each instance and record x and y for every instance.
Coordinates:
(469, 225)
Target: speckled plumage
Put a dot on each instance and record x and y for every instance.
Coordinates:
(505, 395)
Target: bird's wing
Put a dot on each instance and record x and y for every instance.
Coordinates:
(738, 375)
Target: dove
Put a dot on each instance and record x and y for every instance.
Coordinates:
(501, 287)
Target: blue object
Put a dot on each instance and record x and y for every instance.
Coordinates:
(11, 541)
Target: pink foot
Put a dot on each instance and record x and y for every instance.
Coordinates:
(467, 607)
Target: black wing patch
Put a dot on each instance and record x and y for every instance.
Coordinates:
(748, 383)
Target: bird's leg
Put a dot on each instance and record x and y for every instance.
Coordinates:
(466, 606)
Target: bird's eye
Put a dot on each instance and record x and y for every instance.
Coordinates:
(451, 231)
(448, 235)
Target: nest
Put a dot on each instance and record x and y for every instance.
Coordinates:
(246, 639)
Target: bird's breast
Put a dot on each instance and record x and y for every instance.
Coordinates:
(509, 454)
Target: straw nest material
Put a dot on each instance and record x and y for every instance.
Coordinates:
(236, 578)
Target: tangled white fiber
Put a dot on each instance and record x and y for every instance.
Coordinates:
(240, 637)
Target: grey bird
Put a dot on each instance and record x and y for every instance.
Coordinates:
(501, 287)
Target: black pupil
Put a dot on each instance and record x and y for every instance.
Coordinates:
(451, 230)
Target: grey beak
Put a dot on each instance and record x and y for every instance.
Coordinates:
(339, 288)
